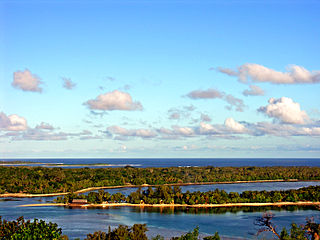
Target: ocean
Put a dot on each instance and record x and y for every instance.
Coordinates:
(176, 162)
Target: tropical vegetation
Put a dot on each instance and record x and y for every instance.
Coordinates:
(52, 180)
(167, 194)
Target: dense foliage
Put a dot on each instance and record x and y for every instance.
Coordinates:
(136, 232)
(309, 231)
(25, 230)
(167, 194)
(50, 180)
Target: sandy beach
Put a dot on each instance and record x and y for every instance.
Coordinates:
(180, 205)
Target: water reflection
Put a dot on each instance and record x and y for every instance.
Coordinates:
(234, 222)
(221, 210)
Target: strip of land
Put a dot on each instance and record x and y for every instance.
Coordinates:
(29, 195)
(104, 205)
(68, 165)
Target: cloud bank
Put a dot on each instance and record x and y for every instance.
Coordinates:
(258, 73)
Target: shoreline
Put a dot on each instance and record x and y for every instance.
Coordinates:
(30, 195)
(104, 205)
(66, 165)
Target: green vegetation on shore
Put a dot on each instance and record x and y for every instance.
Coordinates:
(52, 180)
(25, 230)
(168, 195)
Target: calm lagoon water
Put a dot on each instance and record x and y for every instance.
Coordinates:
(232, 222)
(235, 222)
(78, 222)
(239, 187)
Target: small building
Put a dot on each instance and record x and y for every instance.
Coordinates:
(78, 202)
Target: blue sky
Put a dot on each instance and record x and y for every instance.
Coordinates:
(159, 79)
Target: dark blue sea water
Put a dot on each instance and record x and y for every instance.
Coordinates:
(176, 162)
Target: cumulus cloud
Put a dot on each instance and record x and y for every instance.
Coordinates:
(258, 73)
(12, 122)
(285, 110)
(213, 93)
(185, 131)
(143, 133)
(253, 91)
(68, 84)
(206, 128)
(115, 100)
(234, 126)
(26, 81)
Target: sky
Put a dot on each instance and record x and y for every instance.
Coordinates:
(198, 79)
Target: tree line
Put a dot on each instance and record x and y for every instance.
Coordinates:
(51, 180)
(168, 195)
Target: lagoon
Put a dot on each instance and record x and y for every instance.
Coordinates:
(231, 222)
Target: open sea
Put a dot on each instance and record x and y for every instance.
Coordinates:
(231, 223)
(176, 162)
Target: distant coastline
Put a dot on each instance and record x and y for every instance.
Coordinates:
(27, 163)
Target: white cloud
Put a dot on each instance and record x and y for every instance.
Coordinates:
(234, 102)
(143, 133)
(312, 131)
(227, 71)
(12, 122)
(205, 94)
(45, 126)
(184, 131)
(68, 84)
(26, 81)
(234, 126)
(115, 100)
(258, 73)
(206, 128)
(39, 134)
(213, 93)
(284, 130)
(285, 110)
(253, 91)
